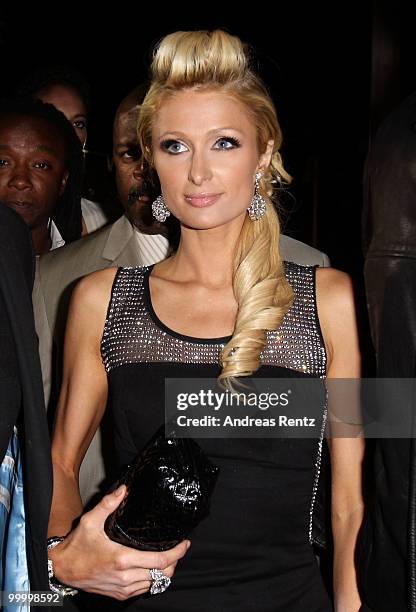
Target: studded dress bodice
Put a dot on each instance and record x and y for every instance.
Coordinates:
(253, 551)
(133, 332)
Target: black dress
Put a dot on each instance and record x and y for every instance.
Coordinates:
(253, 552)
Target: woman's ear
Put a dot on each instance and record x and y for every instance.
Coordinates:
(265, 158)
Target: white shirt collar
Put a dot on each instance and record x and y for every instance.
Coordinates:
(56, 238)
(152, 247)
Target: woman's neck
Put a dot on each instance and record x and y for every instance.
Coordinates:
(203, 256)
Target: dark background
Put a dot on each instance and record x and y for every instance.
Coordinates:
(334, 70)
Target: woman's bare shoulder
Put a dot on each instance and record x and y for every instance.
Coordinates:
(94, 290)
(336, 311)
(334, 288)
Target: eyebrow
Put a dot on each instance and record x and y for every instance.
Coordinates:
(213, 131)
(127, 143)
(46, 149)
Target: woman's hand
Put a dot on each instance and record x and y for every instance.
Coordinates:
(87, 559)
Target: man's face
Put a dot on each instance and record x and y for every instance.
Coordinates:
(33, 170)
(134, 186)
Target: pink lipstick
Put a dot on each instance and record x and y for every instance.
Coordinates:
(200, 200)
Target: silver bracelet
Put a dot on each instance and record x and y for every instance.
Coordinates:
(54, 584)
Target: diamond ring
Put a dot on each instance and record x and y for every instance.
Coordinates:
(160, 582)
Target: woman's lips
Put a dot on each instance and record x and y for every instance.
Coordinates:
(202, 199)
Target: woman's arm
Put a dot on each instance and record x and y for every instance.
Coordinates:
(82, 397)
(87, 558)
(337, 317)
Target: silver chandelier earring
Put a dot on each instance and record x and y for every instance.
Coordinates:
(159, 209)
(257, 208)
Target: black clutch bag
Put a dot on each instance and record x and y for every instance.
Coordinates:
(169, 486)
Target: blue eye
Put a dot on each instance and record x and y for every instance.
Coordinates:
(174, 147)
(226, 143)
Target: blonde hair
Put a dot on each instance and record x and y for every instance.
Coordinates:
(219, 61)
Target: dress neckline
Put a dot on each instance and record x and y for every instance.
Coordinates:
(148, 303)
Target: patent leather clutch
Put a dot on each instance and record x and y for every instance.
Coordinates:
(169, 488)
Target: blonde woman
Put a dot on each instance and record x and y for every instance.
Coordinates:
(224, 305)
